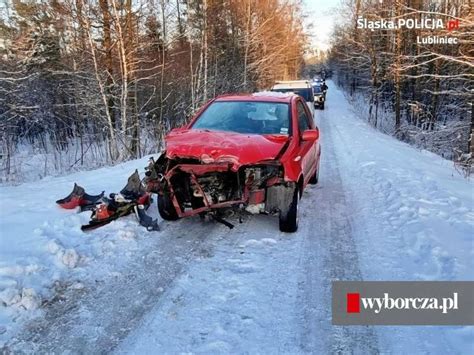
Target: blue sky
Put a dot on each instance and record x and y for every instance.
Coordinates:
(321, 15)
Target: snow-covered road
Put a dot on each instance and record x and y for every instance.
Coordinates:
(382, 211)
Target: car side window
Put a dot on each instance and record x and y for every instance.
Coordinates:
(303, 122)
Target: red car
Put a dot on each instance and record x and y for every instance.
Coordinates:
(255, 152)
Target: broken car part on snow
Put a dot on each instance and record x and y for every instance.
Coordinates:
(132, 198)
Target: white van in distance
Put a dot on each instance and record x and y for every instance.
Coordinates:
(300, 87)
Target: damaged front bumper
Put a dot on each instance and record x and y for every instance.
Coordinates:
(196, 188)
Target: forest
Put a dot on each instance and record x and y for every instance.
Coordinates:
(86, 83)
(420, 92)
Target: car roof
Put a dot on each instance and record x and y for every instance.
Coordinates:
(291, 82)
(265, 97)
(292, 85)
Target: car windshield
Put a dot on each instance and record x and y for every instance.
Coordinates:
(305, 93)
(245, 117)
(317, 89)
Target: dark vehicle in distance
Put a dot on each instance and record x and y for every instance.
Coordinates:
(319, 96)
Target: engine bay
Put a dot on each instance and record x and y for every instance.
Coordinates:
(195, 187)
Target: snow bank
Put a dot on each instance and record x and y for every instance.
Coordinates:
(42, 246)
(412, 212)
(415, 201)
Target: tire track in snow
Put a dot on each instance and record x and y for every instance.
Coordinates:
(96, 319)
(242, 300)
(329, 253)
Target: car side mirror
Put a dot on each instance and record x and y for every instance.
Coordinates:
(310, 135)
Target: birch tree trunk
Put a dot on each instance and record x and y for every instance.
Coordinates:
(206, 51)
(124, 67)
(113, 151)
(107, 41)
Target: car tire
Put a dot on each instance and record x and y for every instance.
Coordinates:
(289, 220)
(166, 208)
(322, 106)
(315, 178)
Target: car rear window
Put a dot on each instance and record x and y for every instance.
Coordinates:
(306, 93)
(246, 117)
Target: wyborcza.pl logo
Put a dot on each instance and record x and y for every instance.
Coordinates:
(378, 304)
(403, 303)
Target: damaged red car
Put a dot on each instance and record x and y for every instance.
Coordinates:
(254, 152)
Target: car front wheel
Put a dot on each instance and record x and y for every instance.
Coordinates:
(166, 208)
(315, 178)
(289, 219)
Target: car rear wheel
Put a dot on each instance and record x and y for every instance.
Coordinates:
(289, 220)
(166, 208)
(322, 106)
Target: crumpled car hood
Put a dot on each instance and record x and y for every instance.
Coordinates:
(218, 146)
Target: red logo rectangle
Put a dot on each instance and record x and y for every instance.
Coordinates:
(353, 303)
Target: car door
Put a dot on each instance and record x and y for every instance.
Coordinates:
(307, 150)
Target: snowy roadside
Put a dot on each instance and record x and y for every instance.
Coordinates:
(413, 217)
(43, 252)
